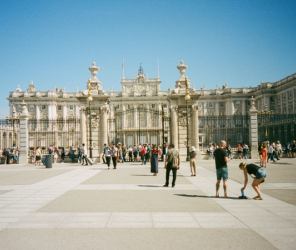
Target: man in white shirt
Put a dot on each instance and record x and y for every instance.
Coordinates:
(84, 155)
(270, 153)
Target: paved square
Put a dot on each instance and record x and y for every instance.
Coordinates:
(75, 207)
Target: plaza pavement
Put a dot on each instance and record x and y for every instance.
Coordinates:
(79, 207)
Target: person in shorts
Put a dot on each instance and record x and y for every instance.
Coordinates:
(221, 160)
(255, 172)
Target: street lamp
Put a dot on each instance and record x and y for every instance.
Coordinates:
(90, 99)
(187, 98)
(12, 120)
(115, 124)
(266, 113)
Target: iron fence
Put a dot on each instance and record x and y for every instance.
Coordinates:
(280, 127)
(9, 133)
(138, 125)
(233, 129)
(60, 133)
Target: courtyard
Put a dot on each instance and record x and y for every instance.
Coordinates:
(78, 207)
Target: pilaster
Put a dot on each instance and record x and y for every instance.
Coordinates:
(24, 135)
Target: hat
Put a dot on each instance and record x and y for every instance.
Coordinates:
(192, 148)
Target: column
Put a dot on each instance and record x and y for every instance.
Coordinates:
(174, 120)
(194, 127)
(65, 116)
(103, 125)
(83, 126)
(253, 131)
(217, 108)
(49, 112)
(54, 111)
(24, 135)
(243, 107)
(135, 118)
(37, 106)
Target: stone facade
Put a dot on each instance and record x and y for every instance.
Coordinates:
(142, 91)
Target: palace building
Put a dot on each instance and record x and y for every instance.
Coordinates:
(143, 113)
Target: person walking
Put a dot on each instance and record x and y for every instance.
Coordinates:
(130, 154)
(80, 152)
(104, 153)
(115, 154)
(257, 173)
(120, 153)
(221, 160)
(38, 156)
(34, 155)
(245, 151)
(172, 163)
(143, 159)
(135, 152)
(55, 155)
(288, 150)
(270, 153)
(192, 156)
(63, 155)
(84, 155)
(260, 153)
(147, 153)
(108, 156)
(240, 151)
(211, 151)
(154, 160)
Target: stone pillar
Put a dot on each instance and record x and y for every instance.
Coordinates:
(64, 116)
(253, 131)
(243, 107)
(83, 126)
(104, 126)
(24, 135)
(217, 108)
(37, 106)
(174, 120)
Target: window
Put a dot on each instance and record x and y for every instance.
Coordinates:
(237, 103)
(59, 107)
(31, 107)
(165, 105)
(71, 107)
(199, 105)
(240, 138)
(153, 106)
(210, 104)
(43, 107)
(221, 104)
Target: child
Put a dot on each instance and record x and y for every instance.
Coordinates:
(264, 156)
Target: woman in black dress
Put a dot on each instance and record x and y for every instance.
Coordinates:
(154, 160)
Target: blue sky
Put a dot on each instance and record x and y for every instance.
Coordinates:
(54, 42)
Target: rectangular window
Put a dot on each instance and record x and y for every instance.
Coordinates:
(59, 107)
(210, 104)
(43, 107)
(221, 104)
(71, 107)
(240, 138)
(237, 103)
(153, 106)
(199, 105)
(165, 106)
(31, 107)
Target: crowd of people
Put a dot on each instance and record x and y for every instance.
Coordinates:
(11, 156)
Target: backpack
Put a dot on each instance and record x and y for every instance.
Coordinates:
(175, 160)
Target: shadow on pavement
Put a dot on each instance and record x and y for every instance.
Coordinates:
(204, 196)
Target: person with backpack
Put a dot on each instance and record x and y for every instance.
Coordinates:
(143, 151)
(80, 152)
(172, 163)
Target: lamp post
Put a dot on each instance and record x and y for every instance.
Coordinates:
(90, 99)
(12, 120)
(266, 113)
(115, 124)
(187, 98)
